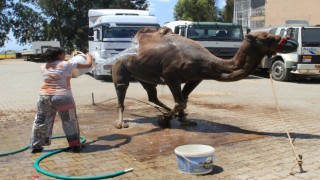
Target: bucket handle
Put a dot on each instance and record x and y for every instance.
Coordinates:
(213, 159)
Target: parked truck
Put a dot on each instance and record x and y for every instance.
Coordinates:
(111, 31)
(37, 49)
(305, 62)
(221, 39)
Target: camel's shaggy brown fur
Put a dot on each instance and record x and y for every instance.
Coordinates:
(167, 58)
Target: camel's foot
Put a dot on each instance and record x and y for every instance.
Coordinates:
(164, 121)
(182, 117)
(121, 125)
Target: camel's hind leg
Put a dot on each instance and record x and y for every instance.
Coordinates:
(121, 79)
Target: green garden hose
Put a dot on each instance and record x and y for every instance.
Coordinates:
(14, 152)
(37, 162)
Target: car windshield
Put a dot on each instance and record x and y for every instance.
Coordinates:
(310, 36)
(215, 32)
(124, 31)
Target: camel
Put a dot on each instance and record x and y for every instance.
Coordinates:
(166, 58)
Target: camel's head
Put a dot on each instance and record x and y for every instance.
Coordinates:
(269, 44)
(266, 43)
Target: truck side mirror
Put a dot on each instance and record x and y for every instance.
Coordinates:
(248, 30)
(90, 32)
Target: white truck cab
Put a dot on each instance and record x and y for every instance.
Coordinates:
(111, 31)
(221, 39)
(304, 62)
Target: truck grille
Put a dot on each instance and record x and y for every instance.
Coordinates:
(223, 52)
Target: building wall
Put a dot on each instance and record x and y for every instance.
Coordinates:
(278, 11)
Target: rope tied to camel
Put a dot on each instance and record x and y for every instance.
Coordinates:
(297, 156)
(160, 109)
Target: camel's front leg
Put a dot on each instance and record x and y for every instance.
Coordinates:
(151, 89)
(152, 95)
(187, 89)
(180, 103)
(164, 121)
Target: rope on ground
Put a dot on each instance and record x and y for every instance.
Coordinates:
(156, 107)
(298, 157)
(160, 109)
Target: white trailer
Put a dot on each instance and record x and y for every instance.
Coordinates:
(37, 49)
(221, 39)
(111, 31)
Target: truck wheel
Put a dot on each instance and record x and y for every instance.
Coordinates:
(279, 72)
(96, 76)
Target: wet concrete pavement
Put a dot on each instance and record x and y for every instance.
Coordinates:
(239, 119)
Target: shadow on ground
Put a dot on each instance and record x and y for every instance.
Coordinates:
(145, 139)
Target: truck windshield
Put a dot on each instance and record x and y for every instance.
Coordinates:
(310, 36)
(124, 31)
(215, 32)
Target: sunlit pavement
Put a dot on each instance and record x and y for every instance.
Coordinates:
(239, 119)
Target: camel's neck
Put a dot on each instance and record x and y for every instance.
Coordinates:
(240, 66)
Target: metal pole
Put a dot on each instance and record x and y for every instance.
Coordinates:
(93, 100)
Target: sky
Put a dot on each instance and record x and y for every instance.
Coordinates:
(162, 9)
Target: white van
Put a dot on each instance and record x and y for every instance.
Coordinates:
(304, 62)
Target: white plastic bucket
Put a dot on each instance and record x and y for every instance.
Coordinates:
(195, 158)
(79, 71)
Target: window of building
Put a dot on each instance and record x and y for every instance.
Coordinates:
(260, 11)
(257, 24)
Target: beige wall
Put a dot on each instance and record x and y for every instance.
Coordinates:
(278, 11)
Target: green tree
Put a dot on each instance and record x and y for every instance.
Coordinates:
(4, 21)
(62, 20)
(26, 24)
(121, 4)
(67, 21)
(196, 10)
(227, 12)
